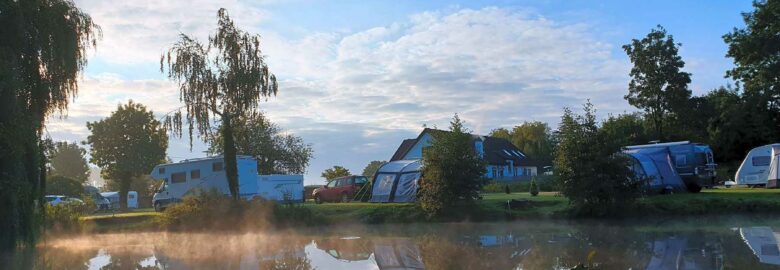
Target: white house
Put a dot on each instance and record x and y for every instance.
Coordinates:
(504, 160)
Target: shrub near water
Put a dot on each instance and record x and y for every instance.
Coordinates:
(66, 217)
(214, 211)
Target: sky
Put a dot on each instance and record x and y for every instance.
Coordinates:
(358, 77)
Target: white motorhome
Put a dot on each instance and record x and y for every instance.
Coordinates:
(756, 166)
(192, 175)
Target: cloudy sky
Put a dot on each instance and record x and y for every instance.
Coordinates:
(357, 78)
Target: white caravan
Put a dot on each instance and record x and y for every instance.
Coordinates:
(113, 198)
(755, 169)
(194, 175)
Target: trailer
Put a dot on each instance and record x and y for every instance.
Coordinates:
(113, 199)
(693, 162)
(756, 168)
(191, 176)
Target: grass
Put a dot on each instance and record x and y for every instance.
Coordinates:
(713, 201)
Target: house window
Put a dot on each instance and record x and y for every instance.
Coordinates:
(161, 170)
(178, 177)
(216, 166)
(195, 174)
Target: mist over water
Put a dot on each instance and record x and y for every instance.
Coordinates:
(724, 243)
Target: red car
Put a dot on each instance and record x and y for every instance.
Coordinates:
(341, 189)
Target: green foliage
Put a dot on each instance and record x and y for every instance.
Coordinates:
(596, 181)
(533, 189)
(276, 151)
(452, 170)
(623, 130)
(68, 159)
(211, 210)
(220, 82)
(62, 185)
(658, 86)
(544, 184)
(42, 51)
(372, 167)
(127, 144)
(533, 138)
(335, 172)
(66, 217)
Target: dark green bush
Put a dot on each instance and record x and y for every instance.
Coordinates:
(533, 189)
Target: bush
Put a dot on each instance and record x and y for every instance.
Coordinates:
(212, 210)
(66, 217)
(533, 189)
(544, 183)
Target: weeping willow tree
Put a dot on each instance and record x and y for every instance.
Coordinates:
(219, 82)
(43, 46)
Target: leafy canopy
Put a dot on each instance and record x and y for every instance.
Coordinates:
(372, 167)
(335, 172)
(533, 138)
(68, 159)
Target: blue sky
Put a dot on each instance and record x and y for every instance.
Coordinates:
(357, 77)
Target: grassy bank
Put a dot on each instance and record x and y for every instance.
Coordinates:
(493, 208)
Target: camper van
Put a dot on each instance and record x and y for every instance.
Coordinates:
(195, 175)
(755, 169)
(693, 162)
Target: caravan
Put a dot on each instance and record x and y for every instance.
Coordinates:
(194, 175)
(758, 165)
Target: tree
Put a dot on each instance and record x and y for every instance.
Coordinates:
(68, 159)
(658, 86)
(755, 51)
(595, 179)
(533, 138)
(452, 170)
(372, 167)
(276, 152)
(42, 51)
(63, 185)
(622, 130)
(127, 144)
(335, 172)
(219, 82)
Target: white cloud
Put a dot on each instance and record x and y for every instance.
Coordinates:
(354, 96)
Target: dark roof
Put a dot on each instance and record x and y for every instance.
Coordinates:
(497, 150)
(405, 146)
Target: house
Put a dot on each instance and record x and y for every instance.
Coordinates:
(504, 160)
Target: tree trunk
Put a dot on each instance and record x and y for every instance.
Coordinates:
(229, 155)
(124, 187)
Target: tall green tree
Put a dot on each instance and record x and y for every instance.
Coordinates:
(658, 85)
(69, 160)
(533, 138)
(335, 172)
(756, 53)
(42, 51)
(372, 167)
(219, 82)
(63, 185)
(127, 144)
(276, 152)
(596, 181)
(452, 170)
(622, 130)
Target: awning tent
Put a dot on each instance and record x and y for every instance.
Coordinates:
(397, 181)
(656, 165)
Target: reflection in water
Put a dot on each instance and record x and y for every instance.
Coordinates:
(545, 245)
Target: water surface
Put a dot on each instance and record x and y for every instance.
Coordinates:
(736, 242)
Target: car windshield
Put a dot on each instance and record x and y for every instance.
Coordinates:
(332, 183)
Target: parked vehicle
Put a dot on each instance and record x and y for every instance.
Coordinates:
(196, 175)
(54, 200)
(341, 189)
(755, 168)
(693, 162)
(113, 198)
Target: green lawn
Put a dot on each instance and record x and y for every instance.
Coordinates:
(131, 213)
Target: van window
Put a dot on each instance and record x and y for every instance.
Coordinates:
(178, 177)
(130, 196)
(194, 174)
(680, 160)
(216, 166)
(761, 160)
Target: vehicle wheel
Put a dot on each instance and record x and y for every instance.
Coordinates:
(344, 198)
(317, 199)
(158, 207)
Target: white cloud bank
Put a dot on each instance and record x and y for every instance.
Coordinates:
(354, 96)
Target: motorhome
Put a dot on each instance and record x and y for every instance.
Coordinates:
(195, 175)
(693, 162)
(755, 169)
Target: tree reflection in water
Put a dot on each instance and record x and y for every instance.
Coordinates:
(454, 246)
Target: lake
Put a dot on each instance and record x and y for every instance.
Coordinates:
(733, 242)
